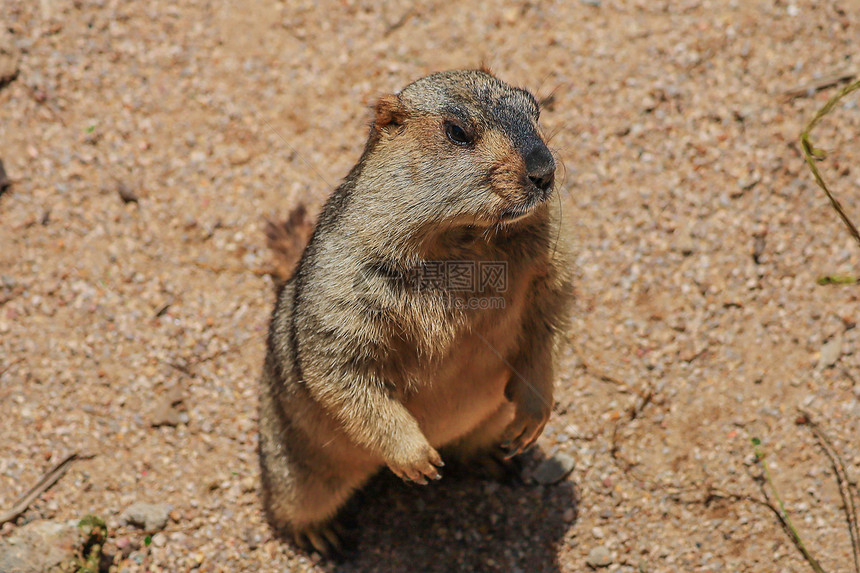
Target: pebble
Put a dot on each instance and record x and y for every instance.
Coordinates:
(149, 516)
(252, 538)
(165, 415)
(830, 352)
(10, 56)
(599, 557)
(554, 469)
(126, 546)
(249, 484)
(126, 193)
(169, 412)
(40, 546)
(240, 157)
(759, 245)
(686, 243)
(5, 183)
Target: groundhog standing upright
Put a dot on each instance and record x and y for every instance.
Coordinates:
(424, 313)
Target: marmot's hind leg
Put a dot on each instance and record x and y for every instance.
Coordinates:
(305, 509)
(302, 490)
(480, 451)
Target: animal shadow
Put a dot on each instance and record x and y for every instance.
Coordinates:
(461, 523)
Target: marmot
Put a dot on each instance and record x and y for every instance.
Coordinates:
(382, 350)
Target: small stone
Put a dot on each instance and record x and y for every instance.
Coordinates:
(159, 539)
(686, 243)
(168, 412)
(165, 415)
(830, 352)
(554, 469)
(126, 546)
(595, 3)
(252, 538)
(149, 516)
(599, 557)
(597, 533)
(759, 245)
(240, 157)
(249, 484)
(568, 515)
(5, 182)
(10, 56)
(126, 193)
(41, 546)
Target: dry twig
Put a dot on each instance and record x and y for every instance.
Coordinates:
(811, 154)
(41, 487)
(597, 373)
(190, 363)
(818, 84)
(9, 366)
(781, 512)
(842, 481)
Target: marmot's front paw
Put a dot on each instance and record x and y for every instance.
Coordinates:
(416, 463)
(525, 429)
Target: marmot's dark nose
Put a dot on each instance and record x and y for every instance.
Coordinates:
(541, 167)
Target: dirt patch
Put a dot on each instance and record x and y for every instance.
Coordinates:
(700, 237)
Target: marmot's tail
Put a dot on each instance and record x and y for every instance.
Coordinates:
(287, 241)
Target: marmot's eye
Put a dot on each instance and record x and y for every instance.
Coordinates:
(457, 134)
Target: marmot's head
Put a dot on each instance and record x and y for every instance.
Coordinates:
(466, 146)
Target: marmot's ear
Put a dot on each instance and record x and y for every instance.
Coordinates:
(389, 112)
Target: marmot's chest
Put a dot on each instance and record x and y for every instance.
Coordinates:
(467, 384)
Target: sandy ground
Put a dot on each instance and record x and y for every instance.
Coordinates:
(699, 238)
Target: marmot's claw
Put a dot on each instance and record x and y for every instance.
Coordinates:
(326, 540)
(419, 471)
(522, 434)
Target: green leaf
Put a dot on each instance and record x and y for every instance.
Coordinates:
(838, 280)
(756, 442)
(147, 540)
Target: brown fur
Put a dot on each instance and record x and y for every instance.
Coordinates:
(365, 371)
